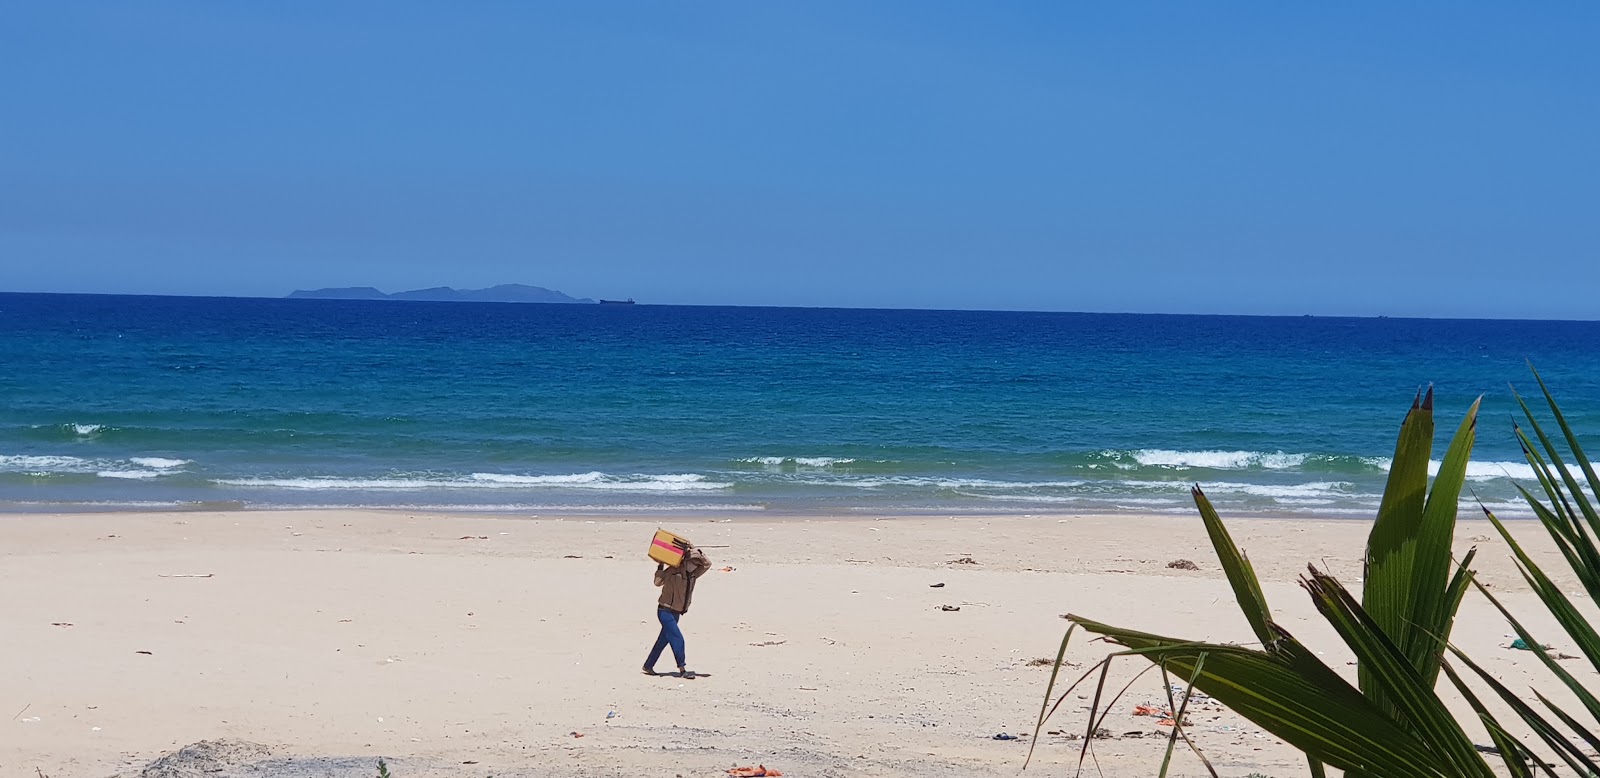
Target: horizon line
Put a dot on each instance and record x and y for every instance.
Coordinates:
(810, 307)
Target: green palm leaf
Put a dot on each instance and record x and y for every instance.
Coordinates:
(1408, 594)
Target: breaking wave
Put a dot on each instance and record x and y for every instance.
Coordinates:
(797, 462)
(133, 468)
(1218, 460)
(594, 480)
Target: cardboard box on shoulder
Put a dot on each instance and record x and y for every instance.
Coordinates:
(668, 549)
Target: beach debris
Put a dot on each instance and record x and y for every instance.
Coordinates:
(146, 653)
(611, 714)
(1006, 736)
(1164, 715)
(60, 623)
(208, 757)
(1180, 692)
(575, 734)
(32, 720)
(474, 537)
(185, 575)
(1182, 564)
(966, 560)
(1521, 645)
(759, 771)
(728, 569)
(949, 608)
(24, 710)
(770, 643)
(573, 556)
(936, 586)
(1041, 662)
(1099, 734)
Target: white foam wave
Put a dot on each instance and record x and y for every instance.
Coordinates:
(536, 507)
(1481, 471)
(1150, 501)
(935, 483)
(1279, 491)
(599, 481)
(332, 483)
(817, 462)
(135, 467)
(86, 429)
(128, 474)
(158, 463)
(24, 463)
(1218, 460)
(1120, 491)
(536, 480)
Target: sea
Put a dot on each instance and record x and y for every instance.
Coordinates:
(138, 403)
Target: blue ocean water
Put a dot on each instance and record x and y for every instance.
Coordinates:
(113, 402)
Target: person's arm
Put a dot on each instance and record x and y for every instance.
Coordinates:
(661, 572)
(701, 563)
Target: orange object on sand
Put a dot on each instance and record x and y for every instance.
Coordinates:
(753, 772)
(1145, 710)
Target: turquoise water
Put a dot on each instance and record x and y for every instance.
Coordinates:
(126, 402)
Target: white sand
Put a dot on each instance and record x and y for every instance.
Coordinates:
(360, 634)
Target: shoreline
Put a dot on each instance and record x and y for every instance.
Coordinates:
(629, 512)
(437, 640)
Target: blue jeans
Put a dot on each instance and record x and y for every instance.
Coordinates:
(670, 635)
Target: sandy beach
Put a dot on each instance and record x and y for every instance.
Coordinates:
(471, 646)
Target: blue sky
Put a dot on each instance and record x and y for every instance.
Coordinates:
(1364, 158)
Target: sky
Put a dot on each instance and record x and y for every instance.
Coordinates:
(1403, 159)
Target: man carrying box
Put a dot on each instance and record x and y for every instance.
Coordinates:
(677, 589)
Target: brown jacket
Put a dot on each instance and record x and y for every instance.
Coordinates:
(677, 583)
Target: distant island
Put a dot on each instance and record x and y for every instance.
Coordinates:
(504, 293)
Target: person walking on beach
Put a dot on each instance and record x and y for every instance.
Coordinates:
(677, 589)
